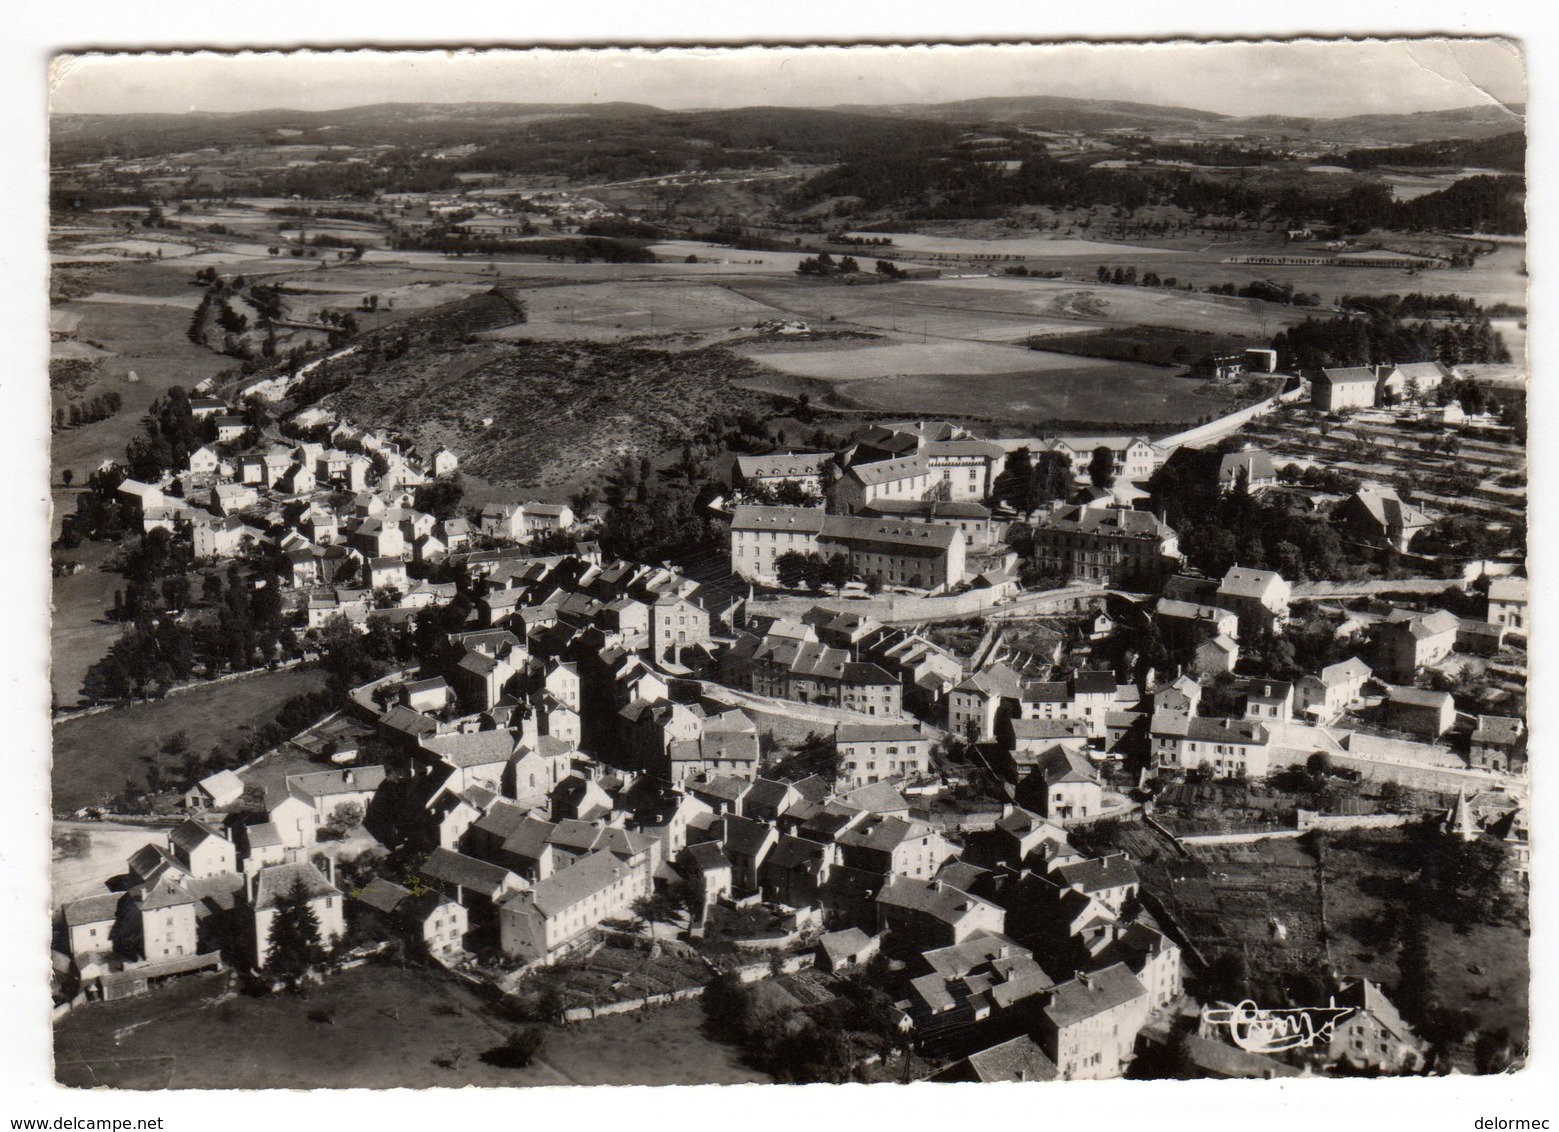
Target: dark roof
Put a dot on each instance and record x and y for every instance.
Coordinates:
(579, 881)
(1098, 874)
(467, 872)
(1093, 994)
(92, 909)
(1019, 1059)
(383, 895)
(277, 882)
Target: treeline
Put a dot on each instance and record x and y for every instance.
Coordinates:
(584, 249)
(1265, 289)
(621, 228)
(1346, 341)
(1414, 305)
(925, 187)
(1506, 151)
(1201, 153)
(90, 411)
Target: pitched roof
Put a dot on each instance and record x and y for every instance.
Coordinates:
(878, 733)
(1059, 764)
(1018, 1059)
(1368, 996)
(190, 835)
(93, 909)
(384, 895)
(1098, 874)
(1116, 521)
(323, 783)
(473, 748)
(933, 898)
(467, 872)
(1345, 672)
(877, 798)
(277, 881)
(1246, 581)
(808, 520)
(579, 881)
(1089, 995)
(1510, 588)
(1418, 697)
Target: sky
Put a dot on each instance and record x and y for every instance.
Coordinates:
(1306, 78)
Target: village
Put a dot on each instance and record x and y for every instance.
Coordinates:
(958, 761)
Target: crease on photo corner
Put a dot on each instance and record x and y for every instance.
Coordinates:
(1461, 78)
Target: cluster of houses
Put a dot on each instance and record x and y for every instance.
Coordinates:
(572, 748)
(342, 514)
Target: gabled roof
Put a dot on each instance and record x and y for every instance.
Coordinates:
(708, 856)
(1418, 697)
(579, 881)
(877, 798)
(934, 898)
(1090, 995)
(473, 748)
(1368, 997)
(277, 881)
(383, 895)
(1058, 765)
(878, 733)
(1246, 581)
(1345, 672)
(324, 783)
(467, 872)
(1018, 1059)
(93, 909)
(745, 836)
(1097, 874)
(792, 852)
(881, 834)
(1508, 589)
(190, 835)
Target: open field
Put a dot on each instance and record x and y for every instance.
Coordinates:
(98, 756)
(389, 1027)
(614, 310)
(1038, 247)
(869, 360)
(79, 629)
(86, 854)
(1035, 386)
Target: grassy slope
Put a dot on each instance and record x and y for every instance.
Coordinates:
(390, 1026)
(96, 756)
(558, 408)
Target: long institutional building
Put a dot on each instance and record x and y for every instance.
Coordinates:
(920, 555)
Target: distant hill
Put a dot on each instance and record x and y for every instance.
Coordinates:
(606, 142)
(1048, 112)
(1400, 129)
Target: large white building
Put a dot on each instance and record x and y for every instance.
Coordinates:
(918, 556)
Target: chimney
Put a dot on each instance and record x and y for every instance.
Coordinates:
(349, 778)
(1085, 978)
